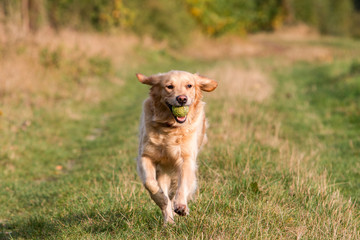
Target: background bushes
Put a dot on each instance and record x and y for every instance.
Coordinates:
(176, 19)
(162, 19)
(328, 16)
(217, 17)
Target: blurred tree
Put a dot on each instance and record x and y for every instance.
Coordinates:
(32, 14)
(288, 11)
(356, 19)
(25, 16)
(329, 16)
(340, 17)
(82, 14)
(162, 19)
(8, 10)
(356, 5)
(4, 8)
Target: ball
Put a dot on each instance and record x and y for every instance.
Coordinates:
(180, 111)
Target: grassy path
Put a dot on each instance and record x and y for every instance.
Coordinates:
(326, 116)
(260, 176)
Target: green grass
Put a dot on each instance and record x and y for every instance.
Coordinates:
(271, 170)
(326, 108)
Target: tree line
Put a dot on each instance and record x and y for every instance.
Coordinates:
(162, 18)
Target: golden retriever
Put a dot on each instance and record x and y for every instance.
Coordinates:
(169, 145)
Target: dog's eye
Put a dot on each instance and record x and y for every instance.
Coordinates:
(189, 86)
(169, 86)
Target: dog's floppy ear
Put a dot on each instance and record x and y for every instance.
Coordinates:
(206, 84)
(152, 80)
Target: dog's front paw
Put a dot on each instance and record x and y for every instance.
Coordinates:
(169, 221)
(181, 209)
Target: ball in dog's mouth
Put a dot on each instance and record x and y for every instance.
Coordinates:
(179, 112)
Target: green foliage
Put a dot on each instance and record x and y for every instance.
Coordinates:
(329, 16)
(159, 19)
(217, 17)
(162, 19)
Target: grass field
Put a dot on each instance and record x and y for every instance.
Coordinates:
(282, 162)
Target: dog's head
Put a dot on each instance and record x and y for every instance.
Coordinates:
(177, 88)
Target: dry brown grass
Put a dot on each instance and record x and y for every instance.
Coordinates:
(235, 81)
(284, 44)
(227, 47)
(117, 47)
(28, 81)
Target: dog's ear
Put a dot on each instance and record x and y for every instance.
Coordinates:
(206, 84)
(152, 80)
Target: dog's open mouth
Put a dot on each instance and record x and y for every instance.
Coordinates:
(179, 119)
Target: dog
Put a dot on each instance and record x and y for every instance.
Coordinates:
(169, 144)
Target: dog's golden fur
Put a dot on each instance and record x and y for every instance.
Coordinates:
(168, 146)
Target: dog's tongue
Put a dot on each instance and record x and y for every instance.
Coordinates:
(181, 119)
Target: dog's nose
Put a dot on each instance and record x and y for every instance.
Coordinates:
(182, 99)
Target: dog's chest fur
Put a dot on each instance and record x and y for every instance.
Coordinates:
(170, 147)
